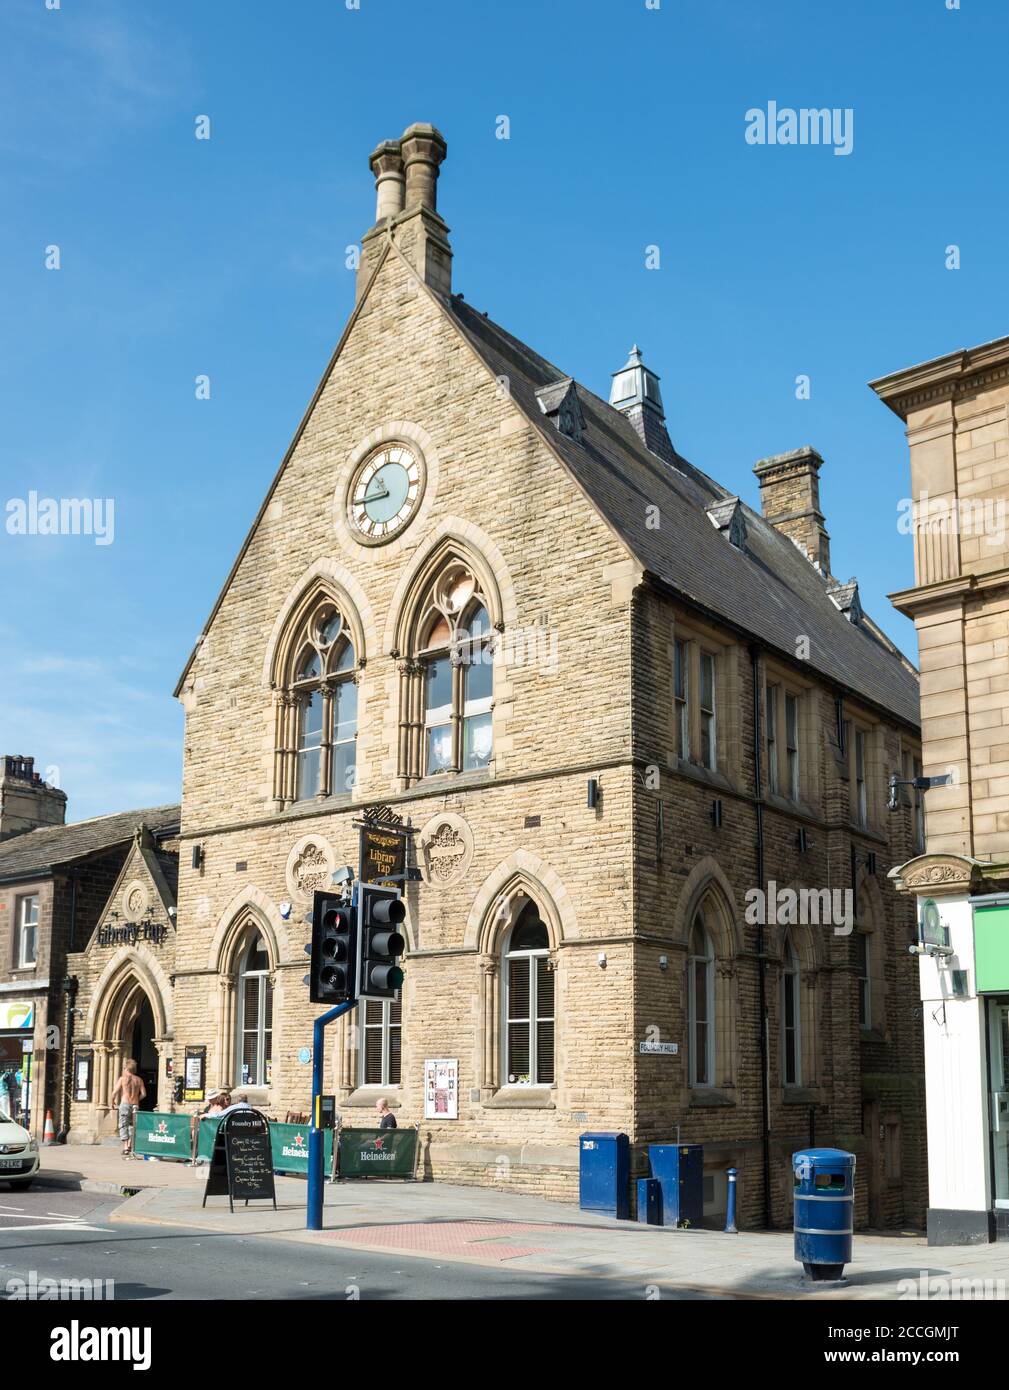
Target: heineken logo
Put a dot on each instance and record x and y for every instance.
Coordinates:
(296, 1148)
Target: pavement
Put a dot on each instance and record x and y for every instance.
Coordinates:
(490, 1228)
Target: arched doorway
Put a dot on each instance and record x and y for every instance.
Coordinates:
(144, 1052)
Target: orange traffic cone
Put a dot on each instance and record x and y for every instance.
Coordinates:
(49, 1136)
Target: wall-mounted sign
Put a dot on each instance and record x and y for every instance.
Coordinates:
(383, 855)
(132, 932)
(82, 1076)
(932, 930)
(659, 1048)
(17, 1013)
(441, 1088)
(195, 1074)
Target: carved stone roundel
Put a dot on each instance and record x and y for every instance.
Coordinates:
(309, 867)
(446, 849)
(135, 900)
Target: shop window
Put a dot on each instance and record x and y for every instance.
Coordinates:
(255, 1015)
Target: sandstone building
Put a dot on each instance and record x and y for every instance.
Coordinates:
(55, 885)
(955, 409)
(611, 699)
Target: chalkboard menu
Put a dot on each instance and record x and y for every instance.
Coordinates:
(242, 1163)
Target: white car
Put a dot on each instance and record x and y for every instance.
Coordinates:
(19, 1154)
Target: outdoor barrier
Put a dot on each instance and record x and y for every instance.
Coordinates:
(377, 1153)
(167, 1136)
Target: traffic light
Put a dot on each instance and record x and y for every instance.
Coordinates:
(332, 978)
(382, 910)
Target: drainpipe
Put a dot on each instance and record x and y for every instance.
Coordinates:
(765, 1099)
(70, 990)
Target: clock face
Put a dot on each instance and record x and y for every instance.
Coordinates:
(385, 493)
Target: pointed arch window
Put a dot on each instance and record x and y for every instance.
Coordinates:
(791, 1016)
(700, 1005)
(448, 691)
(528, 1012)
(255, 1014)
(317, 719)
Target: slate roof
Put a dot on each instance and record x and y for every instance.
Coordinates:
(768, 589)
(38, 852)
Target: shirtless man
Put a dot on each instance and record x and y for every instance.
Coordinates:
(130, 1091)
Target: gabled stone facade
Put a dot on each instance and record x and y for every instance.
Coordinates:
(602, 890)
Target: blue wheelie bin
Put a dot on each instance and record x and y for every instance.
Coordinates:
(824, 1182)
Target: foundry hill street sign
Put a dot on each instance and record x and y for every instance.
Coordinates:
(130, 933)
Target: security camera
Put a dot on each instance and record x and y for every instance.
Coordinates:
(171, 912)
(342, 875)
(893, 799)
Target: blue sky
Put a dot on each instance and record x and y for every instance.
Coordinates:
(226, 257)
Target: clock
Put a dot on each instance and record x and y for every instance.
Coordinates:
(384, 493)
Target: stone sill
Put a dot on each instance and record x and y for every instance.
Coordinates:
(366, 1096)
(521, 1098)
(711, 1098)
(800, 1095)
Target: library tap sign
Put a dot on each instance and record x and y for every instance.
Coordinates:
(441, 1088)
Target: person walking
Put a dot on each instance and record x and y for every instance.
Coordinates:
(128, 1092)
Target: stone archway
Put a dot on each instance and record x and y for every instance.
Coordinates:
(129, 1017)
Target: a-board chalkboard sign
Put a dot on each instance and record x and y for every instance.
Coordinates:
(242, 1164)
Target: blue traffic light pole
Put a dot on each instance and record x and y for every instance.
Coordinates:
(316, 1136)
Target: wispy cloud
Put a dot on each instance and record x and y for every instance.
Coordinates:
(111, 65)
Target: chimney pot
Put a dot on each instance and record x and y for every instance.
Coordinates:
(386, 162)
(423, 149)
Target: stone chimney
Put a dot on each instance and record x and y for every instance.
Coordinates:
(790, 501)
(635, 393)
(26, 802)
(406, 187)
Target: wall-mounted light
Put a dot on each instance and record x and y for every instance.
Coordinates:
(601, 960)
(594, 793)
(197, 857)
(802, 840)
(663, 962)
(716, 814)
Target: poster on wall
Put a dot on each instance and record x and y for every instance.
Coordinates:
(196, 1074)
(82, 1076)
(441, 1088)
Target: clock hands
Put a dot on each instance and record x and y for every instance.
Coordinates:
(375, 496)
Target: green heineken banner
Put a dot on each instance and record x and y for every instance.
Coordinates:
(289, 1145)
(167, 1136)
(377, 1153)
(205, 1136)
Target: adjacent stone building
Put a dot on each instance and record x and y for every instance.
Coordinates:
(613, 702)
(55, 882)
(956, 409)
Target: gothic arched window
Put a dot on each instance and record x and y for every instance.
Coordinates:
(255, 1014)
(317, 720)
(700, 1005)
(449, 678)
(528, 1004)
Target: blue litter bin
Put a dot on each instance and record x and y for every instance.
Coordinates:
(650, 1201)
(680, 1171)
(824, 1182)
(604, 1168)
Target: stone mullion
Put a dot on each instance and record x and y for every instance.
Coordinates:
(291, 760)
(489, 1029)
(458, 696)
(279, 750)
(326, 751)
(415, 732)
